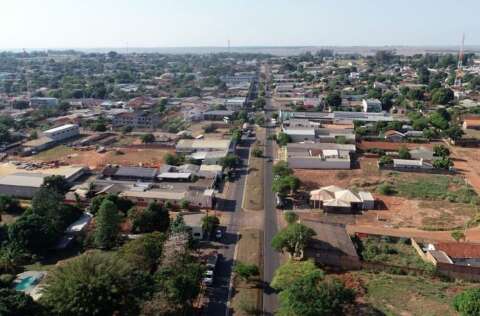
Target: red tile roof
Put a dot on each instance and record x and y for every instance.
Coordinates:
(460, 249)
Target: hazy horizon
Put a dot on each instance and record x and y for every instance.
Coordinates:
(102, 24)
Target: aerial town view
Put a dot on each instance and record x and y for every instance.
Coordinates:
(221, 158)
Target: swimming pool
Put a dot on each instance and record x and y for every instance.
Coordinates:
(26, 283)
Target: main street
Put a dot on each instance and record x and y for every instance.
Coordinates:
(219, 293)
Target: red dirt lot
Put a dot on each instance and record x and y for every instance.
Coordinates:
(313, 179)
(467, 162)
(123, 156)
(364, 145)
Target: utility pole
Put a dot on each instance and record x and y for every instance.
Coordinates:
(461, 55)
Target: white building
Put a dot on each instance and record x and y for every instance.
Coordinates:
(235, 104)
(371, 105)
(62, 132)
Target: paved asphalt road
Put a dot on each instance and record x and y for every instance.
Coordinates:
(271, 257)
(219, 292)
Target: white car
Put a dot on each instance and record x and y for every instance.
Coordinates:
(207, 281)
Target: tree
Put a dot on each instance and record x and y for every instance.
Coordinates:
(420, 124)
(180, 282)
(14, 303)
(454, 132)
(403, 153)
(148, 138)
(33, 233)
(107, 227)
(284, 185)
(311, 296)
(178, 225)
(385, 161)
(174, 160)
(56, 183)
(154, 218)
(467, 303)
(230, 161)
(441, 151)
(385, 189)
(159, 305)
(291, 271)
(123, 204)
(257, 152)
(127, 129)
(96, 284)
(245, 271)
(293, 239)
(442, 95)
(333, 99)
(290, 217)
(144, 253)
(209, 223)
(281, 169)
(439, 120)
(12, 255)
(184, 204)
(283, 139)
(442, 163)
(458, 235)
(9, 205)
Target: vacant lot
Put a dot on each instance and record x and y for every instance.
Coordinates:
(392, 252)
(468, 163)
(418, 200)
(96, 161)
(248, 295)
(406, 295)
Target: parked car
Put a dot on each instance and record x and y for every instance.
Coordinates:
(212, 260)
(218, 234)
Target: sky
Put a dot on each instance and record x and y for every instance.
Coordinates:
(191, 23)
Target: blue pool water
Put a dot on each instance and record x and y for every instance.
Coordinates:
(26, 283)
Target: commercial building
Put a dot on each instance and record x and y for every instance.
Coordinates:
(136, 119)
(43, 102)
(318, 159)
(300, 134)
(62, 132)
(26, 184)
(188, 146)
(337, 117)
(236, 104)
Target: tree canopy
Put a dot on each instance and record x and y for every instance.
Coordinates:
(293, 239)
(107, 227)
(96, 284)
(467, 303)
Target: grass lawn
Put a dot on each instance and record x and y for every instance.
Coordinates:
(393, 252)
(409, 295)
(55, 153)
(248, 296)
(254, 188)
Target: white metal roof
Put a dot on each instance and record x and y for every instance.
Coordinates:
(60, 128)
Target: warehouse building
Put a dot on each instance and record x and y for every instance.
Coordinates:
(26, 184)
(62, 132)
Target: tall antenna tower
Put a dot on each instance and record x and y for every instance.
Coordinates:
(461, 55)
(228, 45)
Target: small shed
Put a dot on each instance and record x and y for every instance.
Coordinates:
(368, 201)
